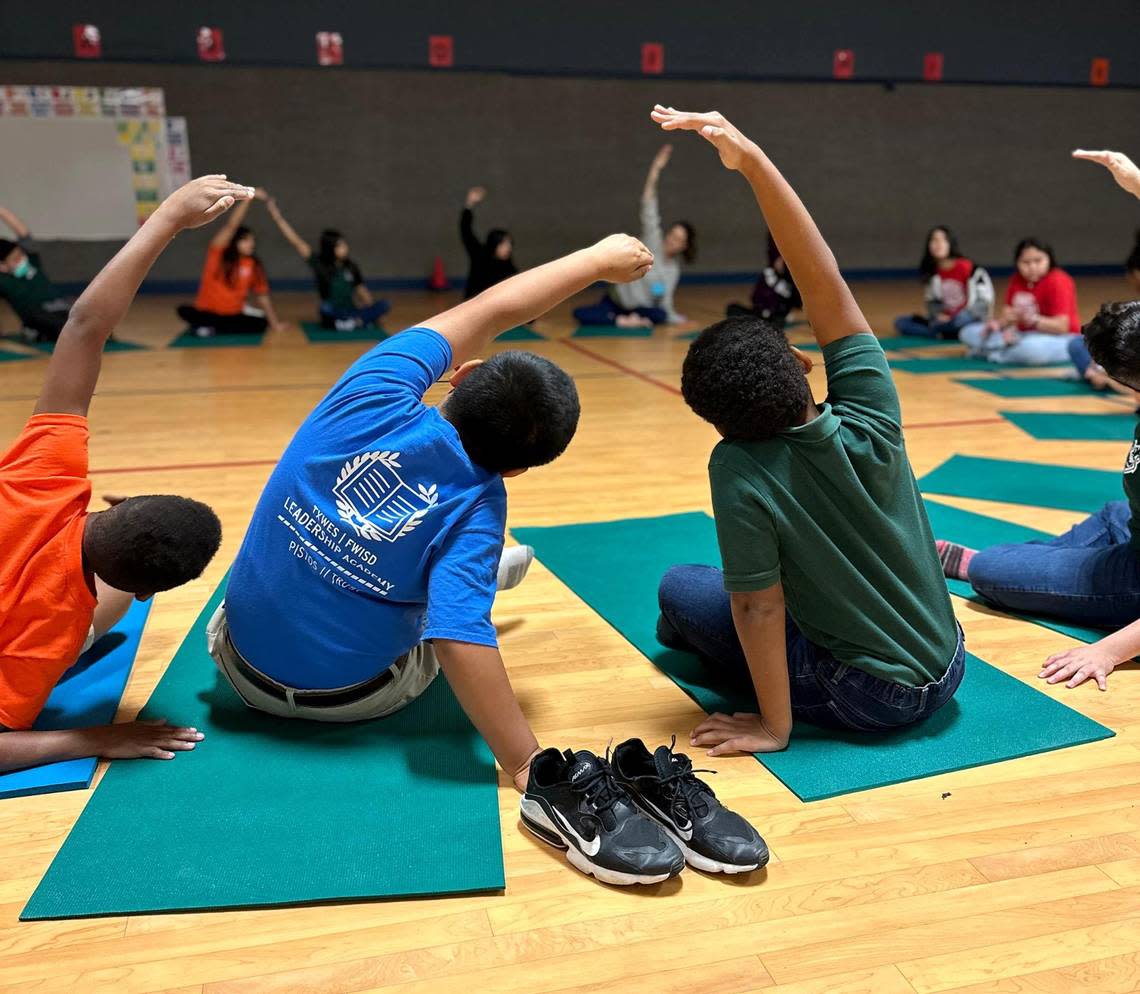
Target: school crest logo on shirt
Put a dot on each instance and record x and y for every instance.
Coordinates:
(1132, 463)
(373, 499)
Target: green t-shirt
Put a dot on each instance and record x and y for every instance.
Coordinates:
(831, 510)
(336, 282)
(1132, 487)
(28, 293)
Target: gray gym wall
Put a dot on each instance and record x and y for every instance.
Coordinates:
(387, 156)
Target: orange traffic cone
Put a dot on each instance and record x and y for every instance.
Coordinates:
(438, 278)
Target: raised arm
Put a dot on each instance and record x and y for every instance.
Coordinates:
(20, 229)
(74, 367)
(304, 250)
(660, 161)
(1123, 169)
(467, 221)
(226, 232)
(472, 325)
(828, 302)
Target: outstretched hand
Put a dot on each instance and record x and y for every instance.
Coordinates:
(202, 200)
(1088, 662)
(737, 733)
(713, 126)
(622, 259)
(475, 196)
(1123, 169)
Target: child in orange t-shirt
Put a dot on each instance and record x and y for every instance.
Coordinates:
(231, 275)
(68, 575)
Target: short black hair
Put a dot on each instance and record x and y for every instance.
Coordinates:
(1034, 243)
(152, 543)
(742, 377)
(690, 253)
(514, 411)
(1113, 338)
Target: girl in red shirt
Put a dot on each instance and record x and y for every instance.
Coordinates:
(231, 275)
(957, 292)
(1039, 317)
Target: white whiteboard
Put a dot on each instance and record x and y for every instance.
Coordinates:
(67, 178)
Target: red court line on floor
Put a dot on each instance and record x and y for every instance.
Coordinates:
(955, 424)
(189, 465)
(629, 371)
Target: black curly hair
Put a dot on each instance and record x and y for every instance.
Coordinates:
(1113, 338)
(742, 377)
(152, 543)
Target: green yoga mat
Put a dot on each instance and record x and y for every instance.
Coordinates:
(9, 356)
(112, 345)
(899, 342)
(610, 331)
(520, 334)
(188, 340)
(318, 335)
(269, 811)
(979, 531)
(615, 567)
(1030, 386)
(1066, 488)
(1049, 425)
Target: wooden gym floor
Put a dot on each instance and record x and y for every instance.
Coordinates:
(1021, 876)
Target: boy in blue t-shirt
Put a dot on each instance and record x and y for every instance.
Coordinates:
(372, 557)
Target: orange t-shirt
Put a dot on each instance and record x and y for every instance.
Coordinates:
(46, 604)
(218, 296)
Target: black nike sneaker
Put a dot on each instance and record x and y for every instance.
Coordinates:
(663, 785)
(572, 802)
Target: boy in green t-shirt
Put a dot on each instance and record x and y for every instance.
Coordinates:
(832, 595)
(41, 308)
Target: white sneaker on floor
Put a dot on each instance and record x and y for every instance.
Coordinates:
(204, 332)
(513, 565)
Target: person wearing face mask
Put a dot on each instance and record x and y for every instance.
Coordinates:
(1039, 318)
(490, 261)
(39, 305)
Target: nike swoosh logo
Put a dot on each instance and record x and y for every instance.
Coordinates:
(589, 848)
(686, 833)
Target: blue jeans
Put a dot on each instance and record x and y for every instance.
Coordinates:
(365, 315)
(1079, 353)
(696, 616)
(1089, 575)
(606, 311)
(910, 325)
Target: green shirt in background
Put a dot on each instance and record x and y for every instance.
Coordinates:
(28, 293)
(831, 509)
(336, 282)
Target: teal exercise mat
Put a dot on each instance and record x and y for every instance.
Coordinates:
(949, 364)
(318, 335)
(271, 811)
(1066, 488)
(610, 331)
(1030, 386)
(615, 567)
(87, 694)
(979, 531)
(188, 340)
(7, 355)
(112, 345)
(896, 342)
(520, 334)
(1060, 425)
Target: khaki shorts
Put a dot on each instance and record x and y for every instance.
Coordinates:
(411, 676)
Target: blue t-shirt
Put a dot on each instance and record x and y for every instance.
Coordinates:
(375, 530)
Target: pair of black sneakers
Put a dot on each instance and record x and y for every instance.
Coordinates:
(636, 817)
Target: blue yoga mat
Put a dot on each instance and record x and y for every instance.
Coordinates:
(87, 695)
(1066, 488)
(615, 567)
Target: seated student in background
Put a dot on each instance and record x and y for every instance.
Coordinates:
(1039, 317)
(649, 301)
(346, 303)
(375, 551)
(41, 308)
(832, 596)
(957, 292)
(490, 260)
(775, 295)
(68, 575)
(231, 275)
(1091, 574)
